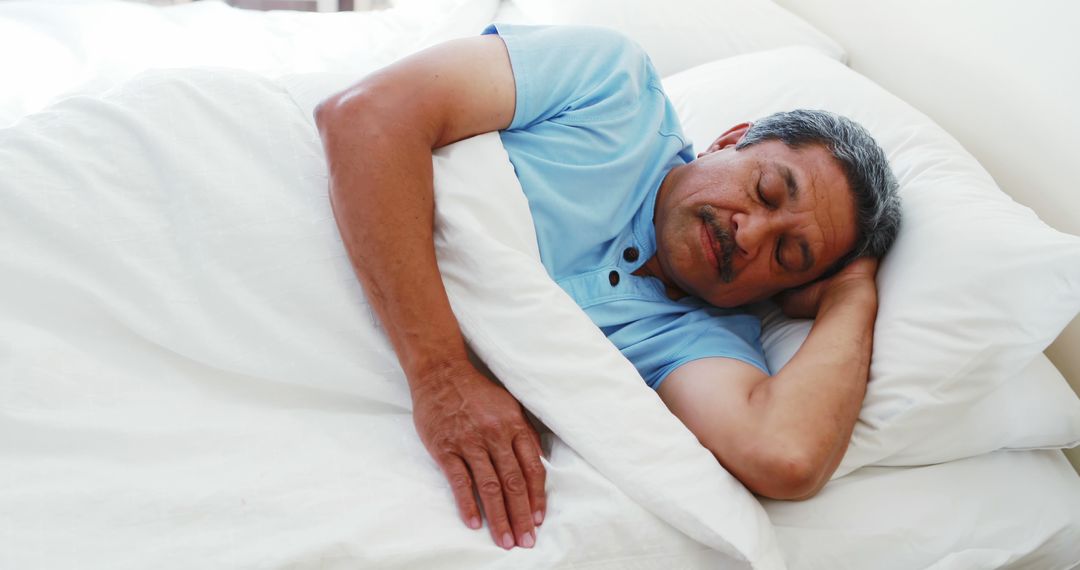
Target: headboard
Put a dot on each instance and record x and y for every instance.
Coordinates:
(1001, 76)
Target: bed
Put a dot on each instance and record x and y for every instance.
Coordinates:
(189, 374)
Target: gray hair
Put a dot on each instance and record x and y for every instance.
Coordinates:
(877, 205)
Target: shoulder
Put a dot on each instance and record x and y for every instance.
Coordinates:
(599, 45)
(607, 39)
(595, 73)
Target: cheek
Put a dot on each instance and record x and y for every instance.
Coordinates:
(676, 244)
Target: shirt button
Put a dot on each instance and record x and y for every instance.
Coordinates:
(630, 254)
(613, 278)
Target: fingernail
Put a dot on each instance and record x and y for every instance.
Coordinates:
(508, 541)
(527, 540)
(538, 517)
(474, 523)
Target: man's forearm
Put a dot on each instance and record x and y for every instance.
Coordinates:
(382, 197)
(811, 405)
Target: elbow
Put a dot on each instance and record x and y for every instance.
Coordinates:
(321, 113)
(786, 476)
(344, 110)
(327, 112)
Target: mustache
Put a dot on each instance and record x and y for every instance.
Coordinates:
(724, 238)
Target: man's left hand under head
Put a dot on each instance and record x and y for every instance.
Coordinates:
(807, 302)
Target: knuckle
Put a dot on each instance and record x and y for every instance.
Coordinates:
(523, 523)
(514, 483)
(492, 426)
(444, 443)
(489, 487)
(444, 448)
(461, 482)
(533, 468)
(500, 524)
(474, 452)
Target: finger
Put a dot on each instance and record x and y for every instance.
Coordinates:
(535, 474)
(516, 494)
(462, 486)
(535, 436)
(489, 487)
(530, 424)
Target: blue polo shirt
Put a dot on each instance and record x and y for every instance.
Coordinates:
(592, 137)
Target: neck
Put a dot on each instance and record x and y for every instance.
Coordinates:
(652, 268)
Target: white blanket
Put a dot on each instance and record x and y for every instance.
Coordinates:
(190, 371)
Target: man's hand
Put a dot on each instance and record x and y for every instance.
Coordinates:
(466, 420)
(806, 302)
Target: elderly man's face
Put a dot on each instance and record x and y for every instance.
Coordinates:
(734, 227)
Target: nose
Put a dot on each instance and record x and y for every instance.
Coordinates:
(751, 233)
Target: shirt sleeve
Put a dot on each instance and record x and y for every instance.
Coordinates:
(658, 345)
(732, 336)
(578, 73)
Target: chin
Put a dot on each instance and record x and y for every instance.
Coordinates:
(733, 301)
(724, 304)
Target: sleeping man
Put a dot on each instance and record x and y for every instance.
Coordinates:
(660, 247)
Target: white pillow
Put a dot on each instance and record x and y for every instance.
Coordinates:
(679, 35)
(974, 288)
(1036, 409)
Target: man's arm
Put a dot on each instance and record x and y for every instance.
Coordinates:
(784, 435)
(378, 136)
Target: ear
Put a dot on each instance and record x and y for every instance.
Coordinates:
(730, 137)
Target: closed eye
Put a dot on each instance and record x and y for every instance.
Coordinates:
(761, 196)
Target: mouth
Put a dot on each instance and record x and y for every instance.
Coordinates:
(717, 243)
(709, 246)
